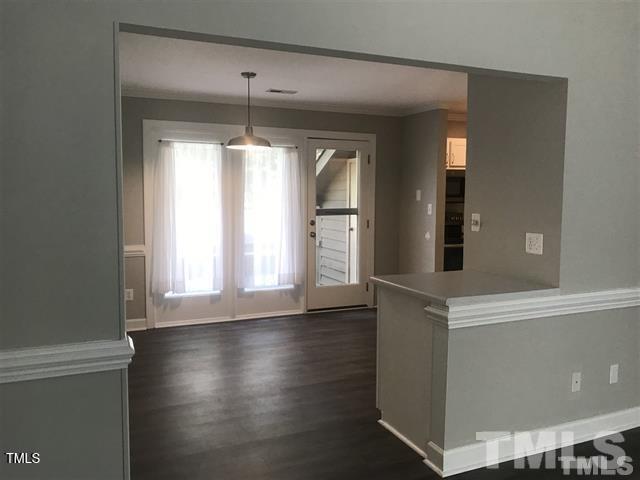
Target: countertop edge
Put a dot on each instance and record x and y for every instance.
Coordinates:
(467, 300)
(415, 293)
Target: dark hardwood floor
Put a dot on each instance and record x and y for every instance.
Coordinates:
(284, 398)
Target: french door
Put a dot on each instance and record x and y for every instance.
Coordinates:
(339, 223)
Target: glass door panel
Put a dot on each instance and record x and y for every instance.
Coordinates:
(335, 178)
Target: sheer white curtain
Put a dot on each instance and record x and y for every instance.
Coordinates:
(269, 245)
(187, 219)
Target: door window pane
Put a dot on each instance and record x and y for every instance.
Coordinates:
(337, 217)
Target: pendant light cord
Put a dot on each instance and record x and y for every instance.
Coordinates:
(249, 101)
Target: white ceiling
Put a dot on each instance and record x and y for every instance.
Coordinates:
(161, 67)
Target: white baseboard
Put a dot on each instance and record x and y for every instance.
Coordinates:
(136, 324)
(402, 438)
(473, 456)
(31, 363)
(204, 321)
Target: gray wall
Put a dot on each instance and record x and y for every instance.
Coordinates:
(424, 137)
(517, 376)
(61, 150)
(59, 223)
(456, 129)
(73, 422)
(134, 278)
(404, 374)
(387, 130)
(515, 161)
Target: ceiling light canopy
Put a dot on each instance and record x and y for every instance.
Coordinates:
(248, 141)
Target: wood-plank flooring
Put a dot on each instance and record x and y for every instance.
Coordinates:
(288, 398)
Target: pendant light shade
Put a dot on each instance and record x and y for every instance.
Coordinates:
(248, 141)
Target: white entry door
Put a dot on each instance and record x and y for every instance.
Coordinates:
(339, 223)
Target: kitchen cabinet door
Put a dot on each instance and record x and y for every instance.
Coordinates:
(456, 153)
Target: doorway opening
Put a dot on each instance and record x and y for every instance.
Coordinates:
(187, 96)
(373, 160)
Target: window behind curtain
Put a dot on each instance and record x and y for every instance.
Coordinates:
(199, 216)
(187, 240)
(272, 227)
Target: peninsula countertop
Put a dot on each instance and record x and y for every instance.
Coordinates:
(463, 287)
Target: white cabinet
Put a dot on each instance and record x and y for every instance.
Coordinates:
(456, 153)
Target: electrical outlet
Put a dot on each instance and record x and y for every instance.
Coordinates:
(429, 208)
(613, 374)
(576, 381)
(475, 222)
(533, 243)
(128, 294)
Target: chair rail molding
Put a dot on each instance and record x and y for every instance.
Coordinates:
(31, 363)
(490, 313)
(135, 251)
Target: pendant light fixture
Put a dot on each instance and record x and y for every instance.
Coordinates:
(248, 141)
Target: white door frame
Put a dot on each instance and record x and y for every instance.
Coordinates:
(351, 294)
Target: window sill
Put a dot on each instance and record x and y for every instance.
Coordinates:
(192, 294)
(268, 289)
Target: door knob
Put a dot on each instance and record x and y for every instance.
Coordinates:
(312, 234)
(312, 222)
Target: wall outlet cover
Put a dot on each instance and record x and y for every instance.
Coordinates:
(475, 222)
(128, 294)
(613, 374)
(534, 243)
(429, 208)
(576, 381)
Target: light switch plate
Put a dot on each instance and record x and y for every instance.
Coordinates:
(128, 294)
(533, 243)
(418, 195)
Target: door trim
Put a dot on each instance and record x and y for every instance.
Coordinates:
(366, 209)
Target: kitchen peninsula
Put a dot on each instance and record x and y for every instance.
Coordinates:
(417, 314)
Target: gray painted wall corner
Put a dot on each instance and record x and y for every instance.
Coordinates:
(422, 168)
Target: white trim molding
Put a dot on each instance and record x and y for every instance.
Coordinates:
(31, 363)
(403, 439)
(489, 313)
(470, 457)
(208, 320)
(136, 324)
(135, 251)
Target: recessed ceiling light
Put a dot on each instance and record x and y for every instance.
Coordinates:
(282, 91)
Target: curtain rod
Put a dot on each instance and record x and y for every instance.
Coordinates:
(188, 141)
(215, 143)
